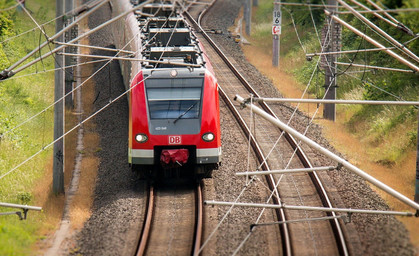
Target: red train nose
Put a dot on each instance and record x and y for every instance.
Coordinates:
(175, 156)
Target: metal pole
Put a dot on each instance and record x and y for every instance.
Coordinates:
(248, 16)
(331, 155)
(9, 71)
(58, 152)
(12, 72)
(308, 208)
(69, 72)
(21, 206)
(318, 101)
(329, 111)
(379, 30)
(374, 67)
(400, 25)
(287, 171)
(275, 40)
(374, 13)
(383, 11)
(372, 41)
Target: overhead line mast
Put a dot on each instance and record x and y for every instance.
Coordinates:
(331, 42)
(59, 109)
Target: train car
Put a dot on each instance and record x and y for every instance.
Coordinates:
(174, 122)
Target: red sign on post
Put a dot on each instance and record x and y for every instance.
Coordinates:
(276, 30)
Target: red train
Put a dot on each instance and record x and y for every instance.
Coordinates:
(174, 122)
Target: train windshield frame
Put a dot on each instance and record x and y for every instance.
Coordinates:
(174, 98)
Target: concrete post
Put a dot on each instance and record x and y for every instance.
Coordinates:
(329, 111)
(58, 157)
(68, 71)
(248, 16)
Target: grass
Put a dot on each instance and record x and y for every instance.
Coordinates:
(21, 97)
(379, 140)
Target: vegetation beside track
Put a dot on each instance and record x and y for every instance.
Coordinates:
(379, 139)
(21, 97)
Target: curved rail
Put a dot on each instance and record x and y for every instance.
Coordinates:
(147, 223)
(337, 229)
(199, 219)
(280, 213)
(285, 235)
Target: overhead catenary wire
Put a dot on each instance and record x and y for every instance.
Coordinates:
(232, 205)
(95, 47)
(9, 71)
(289, 162)
(384, 11)
(75, 11)
(9, 8)
(300, 142)
(72, 129)
(375, 67)
(303, 94)
(214, 230)
(324, 5)
(372, 41)
(55, 69)
(398, 25)
(295, 28)
(32, 18)
(133, 59)
(111, 101)
(70, 92)
(380, 31)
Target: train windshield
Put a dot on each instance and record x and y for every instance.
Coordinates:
(178, 98)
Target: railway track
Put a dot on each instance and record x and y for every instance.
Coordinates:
(303, 238)
(173, 222)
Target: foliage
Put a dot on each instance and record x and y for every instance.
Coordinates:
(21, 97)
(373, 123)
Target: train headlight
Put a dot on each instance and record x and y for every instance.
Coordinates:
(208, 137)
(141, 138)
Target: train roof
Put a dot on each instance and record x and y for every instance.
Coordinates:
(167, 40)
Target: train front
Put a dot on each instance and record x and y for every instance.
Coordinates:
(175, 122)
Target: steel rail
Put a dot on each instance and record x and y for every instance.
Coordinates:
(337, 229)
(285, 234)
(147, 223)
(199, 220)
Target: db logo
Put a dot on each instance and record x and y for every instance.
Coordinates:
(175, 140)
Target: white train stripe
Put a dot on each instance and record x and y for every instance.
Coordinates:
(206, 152)
(141, 153)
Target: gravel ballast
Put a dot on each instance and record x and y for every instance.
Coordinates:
(120, 195)
(378, 235)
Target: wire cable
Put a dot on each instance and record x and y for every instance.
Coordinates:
(88, 118)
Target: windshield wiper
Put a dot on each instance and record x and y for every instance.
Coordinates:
(186, 111)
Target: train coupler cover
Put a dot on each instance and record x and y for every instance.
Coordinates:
(174, 157)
